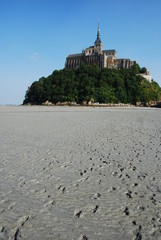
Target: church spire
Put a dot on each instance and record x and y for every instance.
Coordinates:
(98, 31)
(98, 43)
(98, 40)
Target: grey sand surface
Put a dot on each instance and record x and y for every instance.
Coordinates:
(80, 173)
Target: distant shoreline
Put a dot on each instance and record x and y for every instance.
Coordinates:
(128, 106)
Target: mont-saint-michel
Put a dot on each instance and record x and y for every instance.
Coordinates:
(95, 77)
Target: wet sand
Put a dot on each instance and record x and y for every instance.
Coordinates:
(80, 173)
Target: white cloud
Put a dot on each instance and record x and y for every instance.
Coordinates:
(34, 56)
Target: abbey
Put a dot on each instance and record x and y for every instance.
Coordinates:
(96, 55)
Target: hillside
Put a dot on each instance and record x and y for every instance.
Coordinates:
(89, 82)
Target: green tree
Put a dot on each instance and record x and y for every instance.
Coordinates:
(89, 82)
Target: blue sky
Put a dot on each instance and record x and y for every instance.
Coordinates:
(37, 35)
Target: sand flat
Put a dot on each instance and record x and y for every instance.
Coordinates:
(80, 173)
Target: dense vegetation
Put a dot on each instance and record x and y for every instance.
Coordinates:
(89, 82)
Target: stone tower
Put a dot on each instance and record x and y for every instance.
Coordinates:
(98, 46)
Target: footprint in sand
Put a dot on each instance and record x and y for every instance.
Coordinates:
(12, 205)
(93, 209)
(77, 212)
(83, 237)
(48, 206)
(96, 195)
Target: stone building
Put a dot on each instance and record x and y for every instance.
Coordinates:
(96, 55)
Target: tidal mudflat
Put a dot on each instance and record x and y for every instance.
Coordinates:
(80, 173)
